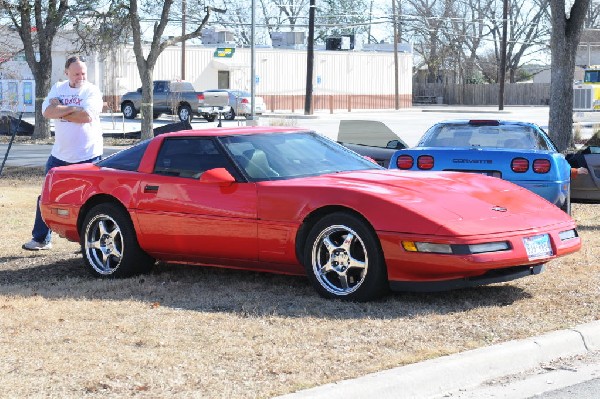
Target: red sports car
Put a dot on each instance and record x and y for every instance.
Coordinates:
(288, 200)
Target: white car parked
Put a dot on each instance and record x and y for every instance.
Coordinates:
(239, 105)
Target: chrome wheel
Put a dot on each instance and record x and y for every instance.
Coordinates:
(185, 113)
(128, 111)
(104, 244)
(109, 243)
(339, 260)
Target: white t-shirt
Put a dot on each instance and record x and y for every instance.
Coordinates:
(76, 142)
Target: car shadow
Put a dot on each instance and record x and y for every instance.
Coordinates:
(251, 294)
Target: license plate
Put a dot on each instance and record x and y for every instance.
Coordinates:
(538, 247)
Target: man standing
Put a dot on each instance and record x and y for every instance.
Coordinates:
(75, 105)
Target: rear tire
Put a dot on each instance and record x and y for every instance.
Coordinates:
(344, 260)
(229, 115)
(109, 244)
(185, 113)
(128, 110)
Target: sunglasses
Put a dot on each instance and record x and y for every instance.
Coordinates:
(75, 58)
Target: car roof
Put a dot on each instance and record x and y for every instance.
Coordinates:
(483, 122)
(243, 130)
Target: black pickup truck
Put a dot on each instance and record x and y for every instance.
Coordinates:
(173, 97)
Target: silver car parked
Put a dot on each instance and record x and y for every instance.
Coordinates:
(239, 105)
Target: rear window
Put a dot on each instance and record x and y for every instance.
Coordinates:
(486, 136)
(182, 86)
(128, 159)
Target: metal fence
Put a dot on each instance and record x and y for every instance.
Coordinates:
(484, 94)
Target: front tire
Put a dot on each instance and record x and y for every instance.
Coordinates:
(344, 260)
(229, 115)
(128, 110)
(185, 113)
(109, 244)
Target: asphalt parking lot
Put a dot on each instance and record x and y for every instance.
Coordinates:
(408, 124)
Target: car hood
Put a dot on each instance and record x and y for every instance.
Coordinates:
(445, 203)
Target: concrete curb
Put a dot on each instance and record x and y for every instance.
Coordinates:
(434, 378)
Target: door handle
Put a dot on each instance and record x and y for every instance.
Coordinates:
(150, 189)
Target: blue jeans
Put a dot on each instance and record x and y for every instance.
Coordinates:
(41, 232)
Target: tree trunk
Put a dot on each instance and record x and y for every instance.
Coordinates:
(42, 88)
(147, 101)
(566, 33)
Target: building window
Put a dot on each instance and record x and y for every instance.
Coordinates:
(223, 80)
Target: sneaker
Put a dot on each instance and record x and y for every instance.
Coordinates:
(33, 245)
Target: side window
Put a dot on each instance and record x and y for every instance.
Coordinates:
(189, 157)
(159, 87)
(128, 159)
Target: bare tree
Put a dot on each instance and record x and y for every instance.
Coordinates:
(337, 17)
(528, 33)
(146, 63)
(9, 47)
(37, 39)
(474, 32)
(567, 24)
(429, 22)
(284, 13)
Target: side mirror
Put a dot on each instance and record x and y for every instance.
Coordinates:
(395, 145)
(218, 175)
(139, 90)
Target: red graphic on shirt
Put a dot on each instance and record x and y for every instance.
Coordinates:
(71, 100)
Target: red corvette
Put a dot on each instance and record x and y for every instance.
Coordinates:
(288, 200)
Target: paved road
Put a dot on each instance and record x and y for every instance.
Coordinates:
(408, 124)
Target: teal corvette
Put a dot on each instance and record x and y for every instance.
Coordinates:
(519, 152)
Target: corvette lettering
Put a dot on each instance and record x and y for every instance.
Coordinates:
(484, 161)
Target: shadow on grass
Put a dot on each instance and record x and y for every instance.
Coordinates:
(246, 294)
(594, 227)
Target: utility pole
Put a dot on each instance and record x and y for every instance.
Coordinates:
(502, 72)
(395, 19)
(183, 12)
(310, 56)
(252, 61)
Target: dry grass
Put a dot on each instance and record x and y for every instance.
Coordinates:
(201, 332)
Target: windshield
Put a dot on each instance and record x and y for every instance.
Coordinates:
(487, 136)
(289, 155)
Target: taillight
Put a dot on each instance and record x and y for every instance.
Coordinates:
(425, 162)
(200, 96)
(405, 162)
(244, 101)
(541, 166)
(484, 122)
(519, 165)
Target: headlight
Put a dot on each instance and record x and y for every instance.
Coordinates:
(456, 249)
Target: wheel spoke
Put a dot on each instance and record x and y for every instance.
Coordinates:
(347, 242)
(94, 244)
(357, 264)
(326, 268)
(102, 227)
(115, 253)
(105, 259)
(329, 245)
(343, 280)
